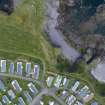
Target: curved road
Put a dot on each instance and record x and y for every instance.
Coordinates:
(48, 92)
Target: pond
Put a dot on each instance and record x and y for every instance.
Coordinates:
(7, 6)
(3, 2)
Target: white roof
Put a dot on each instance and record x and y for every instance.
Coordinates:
(49, 81)
(58, 81)
(51, 102)
(41, 103)
(75, 86)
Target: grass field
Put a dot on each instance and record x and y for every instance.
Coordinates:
(21, 36)
(21, 33)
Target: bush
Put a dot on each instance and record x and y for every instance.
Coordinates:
(62, 64)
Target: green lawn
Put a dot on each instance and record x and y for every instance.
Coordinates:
(21, 33)
(14, 39)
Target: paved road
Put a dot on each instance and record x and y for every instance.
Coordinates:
(48, 92)
(20, 77)
(39, 96)
(44, 91)
(56, 35)
(59, 100)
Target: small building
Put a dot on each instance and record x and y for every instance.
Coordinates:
(64, 94)
(2, 87)
(36, 71)
(94, 103)
(11, 94)
(78, 103)
(65, 82)
(58, 81)
(19, 68)
(51, 103)
(88, 97)
(16, 86)
(21, 101)
(32, 88)
(41, 103)
(11, 69)
(28, 68)
(85, 94)
(70, 100)
(3, 66)
(5, 100)
(28, 97)
(49, 81)
(75, 86)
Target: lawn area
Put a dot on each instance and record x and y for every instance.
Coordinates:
(21, 33)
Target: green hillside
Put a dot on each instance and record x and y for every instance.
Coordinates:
(21, 32)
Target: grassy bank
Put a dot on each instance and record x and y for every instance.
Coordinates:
(22, 33)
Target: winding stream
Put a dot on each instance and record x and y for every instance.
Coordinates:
(55, 35)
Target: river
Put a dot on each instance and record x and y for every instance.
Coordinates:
(56, 35)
